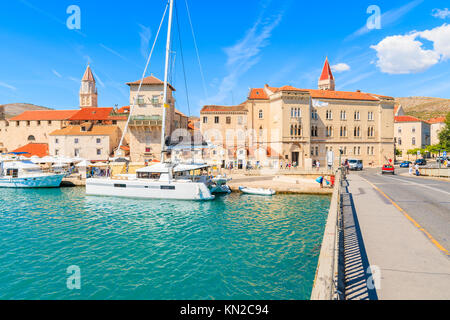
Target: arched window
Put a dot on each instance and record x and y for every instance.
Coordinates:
(299, 130)
(295, 130)
(31, 138)
(292, 130)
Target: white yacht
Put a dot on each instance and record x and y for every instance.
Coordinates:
(166, 180)
(159, 181)
(25, 174)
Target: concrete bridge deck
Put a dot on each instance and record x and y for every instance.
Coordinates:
(400, 225)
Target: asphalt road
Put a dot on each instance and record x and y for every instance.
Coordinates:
(426, 200)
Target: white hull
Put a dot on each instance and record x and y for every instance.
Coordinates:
(151, 189)
(258, 192)
(34, 181)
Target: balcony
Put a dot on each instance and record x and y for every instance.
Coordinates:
(145, 121)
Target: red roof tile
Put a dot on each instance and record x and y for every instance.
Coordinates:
(45, 115)
(407, 119)
(124, 109)
(85, 114)
(98, 130)
(258, 94)
(437, 120)
(326, 72)
(342, 95)
(34, 149)
(214, 108)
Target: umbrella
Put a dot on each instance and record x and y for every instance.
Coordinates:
(84, 164)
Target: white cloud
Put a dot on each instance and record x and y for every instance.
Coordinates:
(340, 67)
(74, 79)
(145, 34)
(403, 54)
(100, 82)
(56, 73)
(441, 39)
(7, 86)
(442, 14)
(245, 54)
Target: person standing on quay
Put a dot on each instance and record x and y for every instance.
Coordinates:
(318, 165)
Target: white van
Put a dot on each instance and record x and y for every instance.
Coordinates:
(355, 164)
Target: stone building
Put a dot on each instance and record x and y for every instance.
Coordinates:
(36, 127)
(87, 141)
(410, 133)
(436, 126)
(146, 118)
(276, 125)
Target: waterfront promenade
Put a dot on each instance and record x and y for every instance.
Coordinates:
(401, 226)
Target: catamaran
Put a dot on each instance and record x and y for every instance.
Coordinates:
(25, 174)
(166, 180)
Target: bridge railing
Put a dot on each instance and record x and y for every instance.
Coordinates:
(326, 279)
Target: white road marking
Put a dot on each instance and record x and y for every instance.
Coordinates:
(420, 185)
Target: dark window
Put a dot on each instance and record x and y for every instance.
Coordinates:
(216, 119)
(167, 187)
(117, 185)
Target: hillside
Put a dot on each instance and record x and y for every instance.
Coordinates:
(14, 109)
(425, 107)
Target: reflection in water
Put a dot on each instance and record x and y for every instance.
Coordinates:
(236, 247)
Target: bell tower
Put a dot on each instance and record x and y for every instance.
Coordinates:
(88, 90)
(326, 81)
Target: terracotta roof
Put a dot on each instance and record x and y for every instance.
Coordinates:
(45, 115)
(326, 71)
(407, 119)
(180, 113)
(258, 94)
(342, 95)
(76, 131)
(323, 94)
(88, 76)
(437, 120)
(92, 114)
(124, 109)
(149, 81)
(34, 149)
(125, 148)
(214, 108)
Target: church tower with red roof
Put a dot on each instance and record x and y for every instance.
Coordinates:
(88, 90)
(326, 80)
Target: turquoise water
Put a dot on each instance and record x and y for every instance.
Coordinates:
(236, 247)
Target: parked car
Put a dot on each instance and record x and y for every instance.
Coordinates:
(405, 164)
(421, 162)
(387, 168)
(355, 164)
(441, 159)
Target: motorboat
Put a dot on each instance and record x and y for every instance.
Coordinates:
(218, 185)
(259, 192)
(26, 174)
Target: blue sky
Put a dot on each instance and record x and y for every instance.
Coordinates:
(242, 44)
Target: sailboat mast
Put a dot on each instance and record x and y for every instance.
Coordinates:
(166, 75)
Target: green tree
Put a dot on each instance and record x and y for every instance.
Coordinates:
(444, 135)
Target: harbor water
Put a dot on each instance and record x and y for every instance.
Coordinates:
(235, 247)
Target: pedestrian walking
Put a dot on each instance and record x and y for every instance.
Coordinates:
(318, 165)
